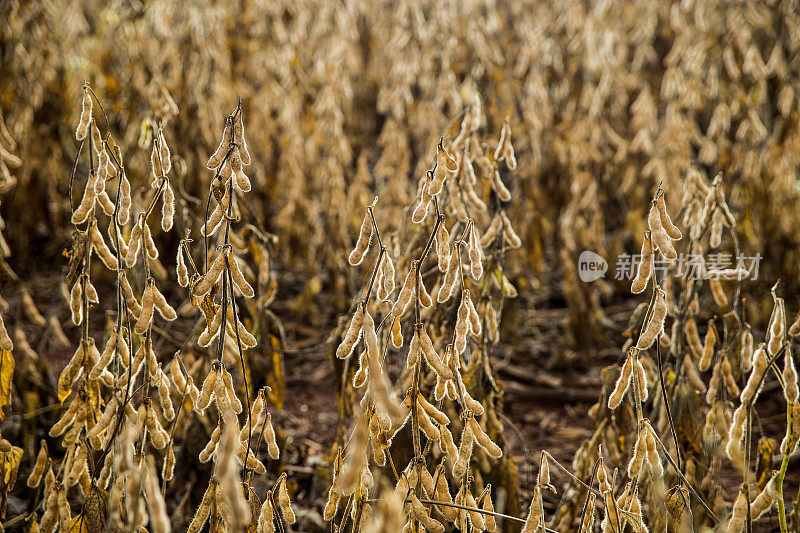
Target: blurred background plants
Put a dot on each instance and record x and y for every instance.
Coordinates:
(347, 100)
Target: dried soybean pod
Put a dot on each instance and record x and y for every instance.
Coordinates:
(242, 182)
(644, 271)
(639, 453)
(472, 314)
(404, 298)
(532, 522)
(421, 513)
(76, 302)
(509, 234)
(165, 157)
(86, 114)
(238, 138)
(484, 441)
(167, 208)
(269, 435)
(164, 309)
(641, 379)
(266, 518)
(708, 347)
(29, 307)
(587, 521)
(101, 249)
(155, 162)
(81, 214)
(181, 270)
(693, 338)
(124, 200)
(238, 277)
(431, 356)
(462, 328)
(450, 277)
(204, 284)
(652, 452)
(499, 187)
(442, 238)
(440, 173)
(204, 509)
(397, 334)
(486, 505)
(666, 222)
(353, 334)
(364, 240)
(622, 383)
(659, 235)
(718, 293)
(464, 451)
(491, 231)
(777, 326)
(206, 391)
(150, 245)
(656, 323)
(475, 254)
(747, 349)
(148, 305)
(135, 242)
(227, 137)
(388, 274)
(425, 299)
(42, 461)
(790, 389)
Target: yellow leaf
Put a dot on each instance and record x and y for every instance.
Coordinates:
(6, 373)
(9, 467)
(9, 464)
(65, 384)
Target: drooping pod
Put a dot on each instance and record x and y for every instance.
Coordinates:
(655, 325)
(475, 254)
(666, 222)
(622, 383)
(442, 242)
(238, 277)
(708, 347)
(148, 306)
(450, 276)
(164, 309)
(181, 270)
(353, 334)
(644, 271)
(429, 352)
(207, 281)
(659, 235)
(364, 239)
(135, 242)
(499, 187)
(509, 234)
(404, 299)
(84, 209)
(227, 137)
(484, 441)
